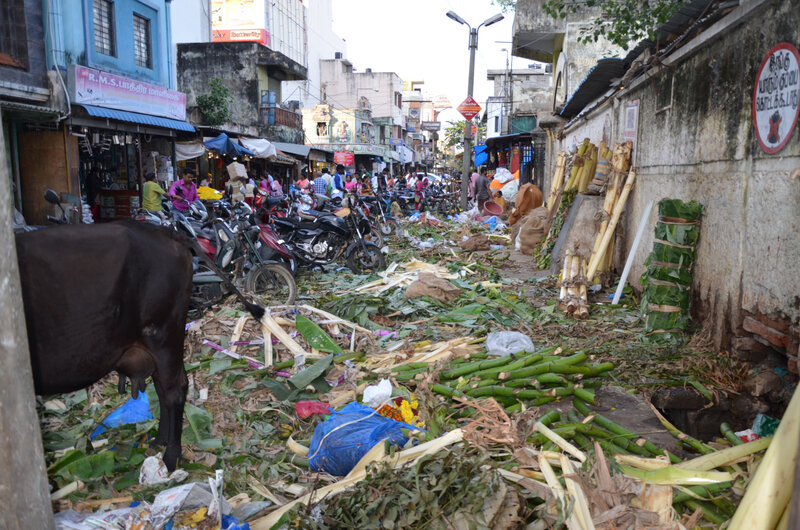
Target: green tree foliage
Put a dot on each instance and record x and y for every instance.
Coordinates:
(454, 134)
(214, 105)
(621, 22)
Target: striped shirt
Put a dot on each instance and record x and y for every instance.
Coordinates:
(320, 185)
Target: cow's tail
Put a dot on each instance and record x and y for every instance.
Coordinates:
(254, 309)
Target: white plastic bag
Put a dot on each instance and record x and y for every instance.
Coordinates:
(503, 175)
(501, 343)
(376, 395)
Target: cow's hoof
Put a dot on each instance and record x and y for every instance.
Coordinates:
(171, 456)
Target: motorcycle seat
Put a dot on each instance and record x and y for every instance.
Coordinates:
(271, 202)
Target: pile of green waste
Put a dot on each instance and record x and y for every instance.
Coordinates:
(667, 282)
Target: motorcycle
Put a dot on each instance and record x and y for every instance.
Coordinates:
(319, 238)
(234, 245)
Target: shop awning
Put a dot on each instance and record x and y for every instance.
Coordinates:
(262, 147)
(188, 150)
(135, 117)
(294, 149)
(319, 155)
(225, 146)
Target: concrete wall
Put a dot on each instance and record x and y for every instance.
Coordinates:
(696, 141)
(344, 88)
(191, 22)
(323, 44)
(73, 39)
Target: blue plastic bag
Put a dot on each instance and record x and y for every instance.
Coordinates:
(131, 411)
(360, 428)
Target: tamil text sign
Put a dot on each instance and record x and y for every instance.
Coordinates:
(775, 97)
(469, 108)
(239, 20)
(93, 87)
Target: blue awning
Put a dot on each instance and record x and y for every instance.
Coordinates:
(135, 117)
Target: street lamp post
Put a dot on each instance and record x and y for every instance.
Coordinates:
(473, 45)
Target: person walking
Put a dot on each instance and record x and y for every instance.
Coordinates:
(481, 191)
(320, 184)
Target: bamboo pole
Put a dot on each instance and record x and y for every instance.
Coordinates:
(558, 180)
(618, 207)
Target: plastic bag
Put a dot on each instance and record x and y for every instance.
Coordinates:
(340, 442)
(377, 395)
(503, 175)
(502, 343)
(132, 411)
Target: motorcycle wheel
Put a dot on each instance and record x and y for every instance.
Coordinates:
(375, 236)
(368, 257)
(272, 284)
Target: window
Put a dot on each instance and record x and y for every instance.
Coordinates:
(141, 41)
(496, 123)
(104, 27)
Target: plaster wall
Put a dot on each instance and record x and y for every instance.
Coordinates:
(35, 74)
(696, 141)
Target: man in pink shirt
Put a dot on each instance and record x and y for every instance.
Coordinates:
(185, 188)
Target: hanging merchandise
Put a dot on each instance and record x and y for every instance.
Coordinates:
(667, 282)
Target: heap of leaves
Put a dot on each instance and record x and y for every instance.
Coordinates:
(441, 490)
(542, 254)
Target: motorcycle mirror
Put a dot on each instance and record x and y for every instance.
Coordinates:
(52, 197)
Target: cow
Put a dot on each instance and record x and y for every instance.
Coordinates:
(105, 297)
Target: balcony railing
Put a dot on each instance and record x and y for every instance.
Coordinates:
(279, 116)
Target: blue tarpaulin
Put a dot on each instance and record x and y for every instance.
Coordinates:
(225, 146)
(480, 155)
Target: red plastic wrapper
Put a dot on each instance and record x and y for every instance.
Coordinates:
(305, 409)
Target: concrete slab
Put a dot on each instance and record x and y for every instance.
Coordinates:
(580, 228)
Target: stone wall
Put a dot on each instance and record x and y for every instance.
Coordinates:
(696, 141)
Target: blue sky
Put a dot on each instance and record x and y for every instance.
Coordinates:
(416, 40)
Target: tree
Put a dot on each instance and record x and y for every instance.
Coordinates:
(454, 134)
(621, 22)
(214, 105)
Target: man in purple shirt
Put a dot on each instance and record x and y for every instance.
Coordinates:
(185, 188)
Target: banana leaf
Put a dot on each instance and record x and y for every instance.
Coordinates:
(199, 432)
(316, 336)
(85, 467)
(657, 320)
(676, 208)
(679, 234)
(666, 295)
(667, 274)
(669, 254)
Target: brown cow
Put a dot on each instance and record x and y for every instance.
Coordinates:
(528, 198)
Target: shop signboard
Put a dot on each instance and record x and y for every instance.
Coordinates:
(239, 21)
(469, 108)
(395, 141)
(775, 97)
(441, 103)
(631, 121)
(431, 126)
(345, 158)
(93, 87)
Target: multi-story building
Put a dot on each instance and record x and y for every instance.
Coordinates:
(117, 113)
(520, 96)
(373, 99)
(253, 49)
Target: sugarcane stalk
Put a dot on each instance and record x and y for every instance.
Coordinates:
(549, 417)
(706, 492)
(409, 366)
(585, 394)
(729, 435)
(473, 367)
(565, 274)
(618, 207)
(709, 512)
(558, 180)
(445, 390)
(695, 444)
(615, 428)
(511, 366)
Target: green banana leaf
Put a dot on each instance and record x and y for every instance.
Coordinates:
(85, 467)
(307, 376)
(678, 234)
(316, 336)
(667, 274)
(199, 432)
(676, 208)
(666, 295)
(660, 321)
(669, 254)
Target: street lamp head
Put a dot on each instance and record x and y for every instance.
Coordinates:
(489, 21)
(451, 14)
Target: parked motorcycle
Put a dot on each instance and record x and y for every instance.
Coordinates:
(319, 238)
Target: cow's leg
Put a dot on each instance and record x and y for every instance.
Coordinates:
(171, 384)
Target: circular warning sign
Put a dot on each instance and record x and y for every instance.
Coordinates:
(775, 97)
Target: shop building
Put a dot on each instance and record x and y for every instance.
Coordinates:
(114, 113)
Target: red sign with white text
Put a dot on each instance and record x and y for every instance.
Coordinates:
(345, 158)
(469, 108)
(241, 35)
